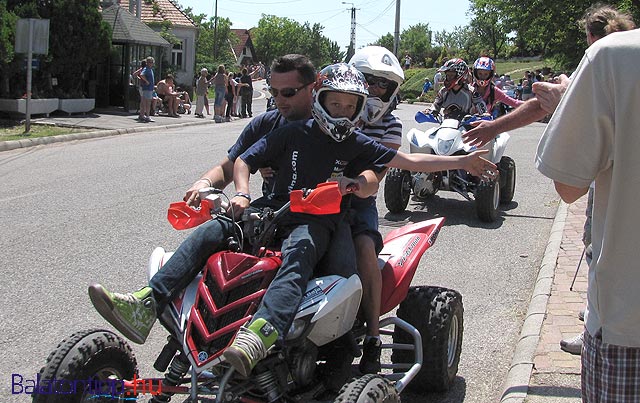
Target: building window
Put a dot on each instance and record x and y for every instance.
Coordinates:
(177, 56)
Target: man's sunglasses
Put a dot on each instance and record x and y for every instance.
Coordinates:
(377, 81)
(286, 92)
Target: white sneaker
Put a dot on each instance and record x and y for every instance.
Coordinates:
(572, 345)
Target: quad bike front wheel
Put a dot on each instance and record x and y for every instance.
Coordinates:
(368, 389)
(437, 313)
(507, 168)
(487, 200)
(99, 355)
(397, 189)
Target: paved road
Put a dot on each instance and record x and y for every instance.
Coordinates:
(76, 213)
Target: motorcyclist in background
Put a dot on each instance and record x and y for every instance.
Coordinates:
(484, 69)
(384, 76)
(456, 98)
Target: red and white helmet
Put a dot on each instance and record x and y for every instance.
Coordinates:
(484, 63)
(458, 66)
(340, 77)
(377, 62)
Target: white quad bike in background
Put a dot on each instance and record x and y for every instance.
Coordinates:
(446, 139)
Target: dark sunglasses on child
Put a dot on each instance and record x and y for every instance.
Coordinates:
(286, 92)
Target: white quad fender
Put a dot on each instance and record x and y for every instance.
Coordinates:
(496, 147)
(157, 259)
(500, 145)
(180, 307)
(333, 301)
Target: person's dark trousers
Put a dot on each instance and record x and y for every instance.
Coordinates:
(245, 105)
(229, 107)
(188, 260)
(301, 252)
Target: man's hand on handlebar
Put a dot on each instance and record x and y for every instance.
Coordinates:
(347, 185)
(191, 197)
(237, 206)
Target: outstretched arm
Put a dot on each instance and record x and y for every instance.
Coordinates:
(472, 163)
(485, 131)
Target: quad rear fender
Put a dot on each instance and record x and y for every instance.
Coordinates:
(400, 256)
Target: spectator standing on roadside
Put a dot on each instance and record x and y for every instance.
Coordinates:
(202, 86)
(438, 79)
(246, 94)
(593, 136)
(220, 85)
(147, 86)
(231, 95)
(407, 61)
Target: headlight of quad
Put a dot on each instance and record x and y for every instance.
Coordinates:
(444, 146)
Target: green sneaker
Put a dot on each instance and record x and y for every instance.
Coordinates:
(250, 346)
(132, 314)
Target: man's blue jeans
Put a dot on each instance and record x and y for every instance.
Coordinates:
(188, 260)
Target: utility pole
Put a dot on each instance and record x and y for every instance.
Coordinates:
(215, 31)
(396, 32)
(352, 42)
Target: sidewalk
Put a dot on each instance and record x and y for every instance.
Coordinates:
(540, 372)
(102, 123)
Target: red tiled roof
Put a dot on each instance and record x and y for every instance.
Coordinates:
(167, 10)
(244, 37)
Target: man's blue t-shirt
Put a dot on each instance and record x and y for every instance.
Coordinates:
(305, 156)
(147, 72)
(259, 127)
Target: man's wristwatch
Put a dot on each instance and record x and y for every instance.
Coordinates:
(245, 195)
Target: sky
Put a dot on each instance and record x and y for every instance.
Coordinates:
(374, 18)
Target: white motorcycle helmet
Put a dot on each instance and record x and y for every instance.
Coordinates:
(378, 62)
(339, 77)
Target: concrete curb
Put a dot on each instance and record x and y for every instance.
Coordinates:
(36, 141)
(516, 384)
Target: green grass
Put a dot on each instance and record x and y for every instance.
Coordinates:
(414, 78)
(15, 131)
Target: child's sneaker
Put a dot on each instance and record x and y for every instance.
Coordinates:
(370, 361)
(132, 314)
(250, 346)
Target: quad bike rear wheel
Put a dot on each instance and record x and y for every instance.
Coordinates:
(507, 168)
(487, 200)
(397, 189)
(94, 354)
(437, 313)
(368, 389)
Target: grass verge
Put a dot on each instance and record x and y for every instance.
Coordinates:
(11, 130)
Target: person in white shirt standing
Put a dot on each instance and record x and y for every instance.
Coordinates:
(593, 136)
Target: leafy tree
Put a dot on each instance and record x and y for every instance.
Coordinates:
(277, 36)
(491, 34)
(416, 40)
(78, 40)
(7, 39)
(211, 37)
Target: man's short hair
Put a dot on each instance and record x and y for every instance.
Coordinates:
(299, 63)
